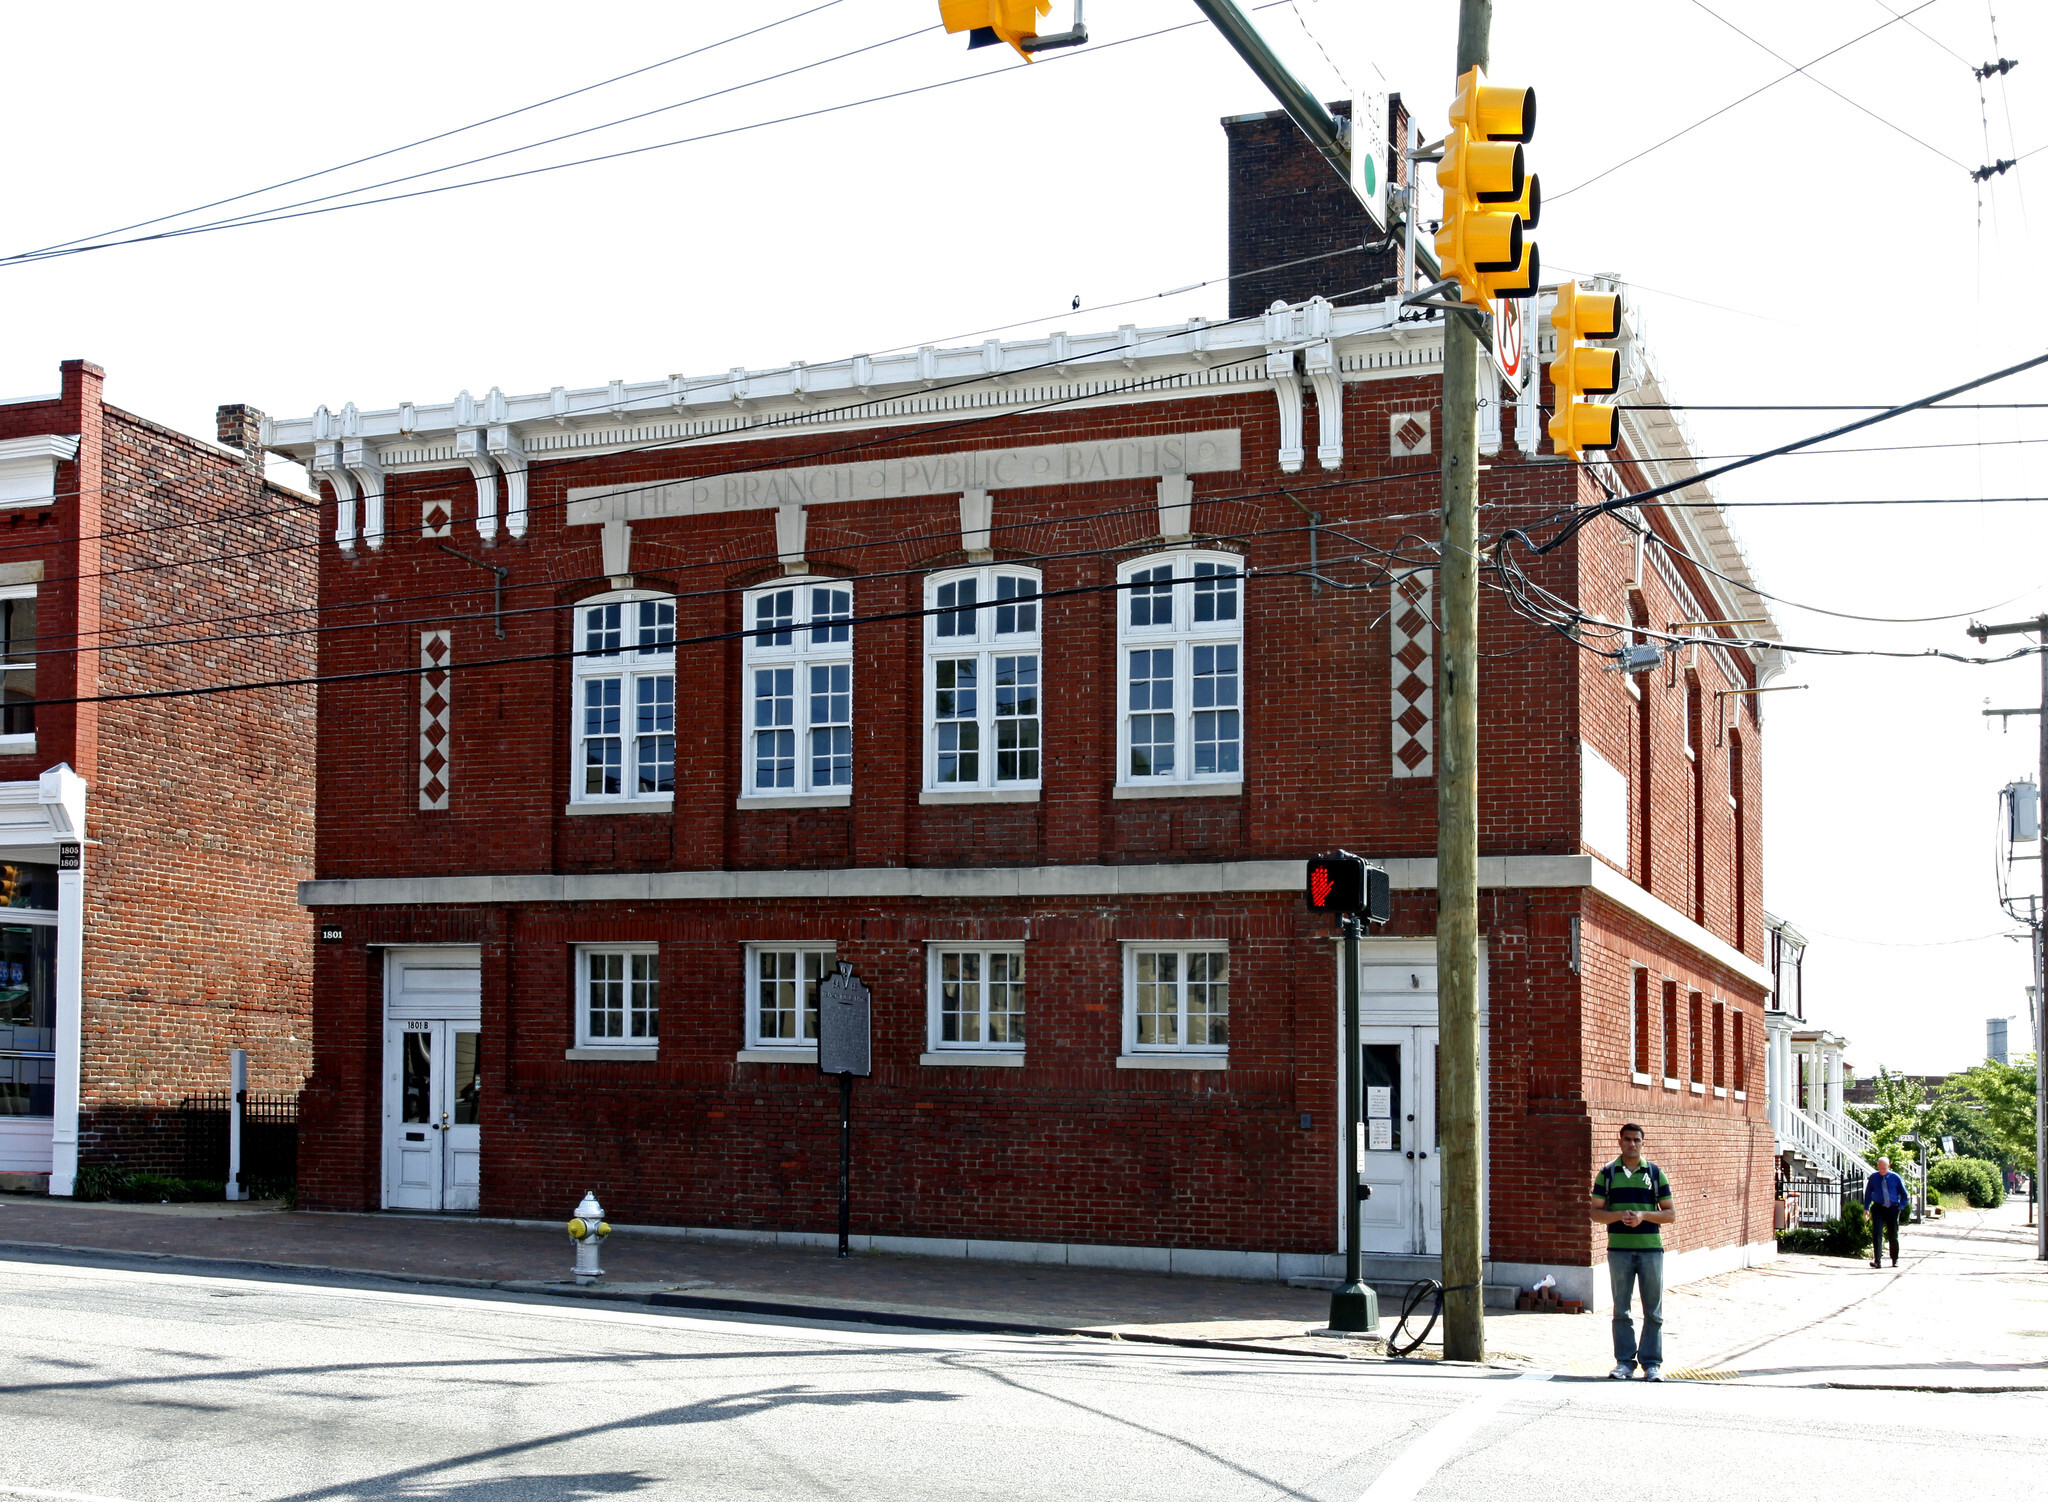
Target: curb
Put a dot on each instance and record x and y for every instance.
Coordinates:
(770, 1304)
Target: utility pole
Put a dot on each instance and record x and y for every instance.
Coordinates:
(2038, 627)
(1457, 806)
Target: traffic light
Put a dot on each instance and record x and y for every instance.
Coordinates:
(1579, 370)
(988, 22)
(1489, 196)
(1344, 883)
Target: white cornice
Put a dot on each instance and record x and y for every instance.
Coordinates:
(59, 448)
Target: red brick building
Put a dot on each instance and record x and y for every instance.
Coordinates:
(148, 845)
(1021, 678)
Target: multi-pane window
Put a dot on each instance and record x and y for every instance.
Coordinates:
(799, 686)
(1177, 997)
(1696, 1052)
(983, 678)
(977, 999)
(1671, 1032)
(1720, 1046)
(620, 1005)
(1181, 670)
(782, 994)
(1741, 1057)
(18, 660)
(1639, 1025)
(625, 700)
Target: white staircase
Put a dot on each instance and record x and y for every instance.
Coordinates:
(1832, 1143)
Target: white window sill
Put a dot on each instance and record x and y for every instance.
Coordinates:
(1173, 1061)
(1721, 1092)
(1670, 1083)
(980, 795)
(625, 806)
(1180, 789)
(800, 800)
(1698, 1088)
(1742, 1095)
(778, 1056)
(1639, 1079)
(611, 1055)
(987, 1060)
(18, 745)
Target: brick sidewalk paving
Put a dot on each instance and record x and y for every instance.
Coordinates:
(1969, 1308)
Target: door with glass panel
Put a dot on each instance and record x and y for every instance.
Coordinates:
(433, 1079)
(1398, 1157)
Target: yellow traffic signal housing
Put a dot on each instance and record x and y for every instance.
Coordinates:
(1578, 370)
(988, 22)
(1490, 198)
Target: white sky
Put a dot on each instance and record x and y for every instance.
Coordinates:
(1847, 263)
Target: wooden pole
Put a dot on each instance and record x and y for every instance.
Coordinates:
(1457, 860)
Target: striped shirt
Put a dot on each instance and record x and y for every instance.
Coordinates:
(1642, 1190)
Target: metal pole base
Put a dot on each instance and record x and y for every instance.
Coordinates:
(1355, 1307)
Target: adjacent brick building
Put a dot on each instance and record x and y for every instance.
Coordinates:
(149, 846)
(1020, 678)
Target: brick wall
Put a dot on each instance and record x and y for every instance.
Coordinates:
(198, 809)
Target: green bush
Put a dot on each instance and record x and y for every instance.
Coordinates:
(1980, 1182)
(146, 1188)
(1847, 1235)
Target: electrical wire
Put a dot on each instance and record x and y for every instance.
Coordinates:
(1724, 109)
(438, 136)
(1880, 119)
(282, 216)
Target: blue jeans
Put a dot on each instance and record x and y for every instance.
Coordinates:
(1625, 1269)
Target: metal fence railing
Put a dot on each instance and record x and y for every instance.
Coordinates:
(270, 1137)
(1820, 1196)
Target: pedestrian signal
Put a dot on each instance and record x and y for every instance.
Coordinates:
(988, 22)
(1344, 883)
(1579, 370)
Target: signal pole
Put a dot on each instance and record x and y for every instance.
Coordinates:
(2038, 627)
(1457, 805)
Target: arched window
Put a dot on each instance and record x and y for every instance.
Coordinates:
(1180, 679)
(625, 683)
(799, 686)
(982, 704)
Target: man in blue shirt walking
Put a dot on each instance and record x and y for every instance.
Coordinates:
(1885, 1197)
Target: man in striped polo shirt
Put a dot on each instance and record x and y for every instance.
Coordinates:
(1632, 1198)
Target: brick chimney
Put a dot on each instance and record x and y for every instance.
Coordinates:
(1286, 202)
(241, 427)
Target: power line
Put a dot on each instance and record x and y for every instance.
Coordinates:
(1880, 119)
(1824, 406)
(438, 136)
(1732, 104)
(281, 216)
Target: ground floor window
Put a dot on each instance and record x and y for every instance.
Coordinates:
(621, 996)
(28, 998)
(977, 998)
(1177, 997)
(782, 994)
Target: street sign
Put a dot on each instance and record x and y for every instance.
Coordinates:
(843, 1026)
(1369, 153)
(1513, 344)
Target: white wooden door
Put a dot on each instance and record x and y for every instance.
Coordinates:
(433, 1069)
(1387, 1161)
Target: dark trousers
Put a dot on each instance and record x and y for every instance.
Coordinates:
(1884, 1225)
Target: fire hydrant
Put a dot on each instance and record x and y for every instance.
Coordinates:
(588, 1230)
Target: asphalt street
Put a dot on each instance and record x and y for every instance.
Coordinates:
(150, 1386)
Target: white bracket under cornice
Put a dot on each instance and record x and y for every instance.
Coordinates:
(361, 461)
(1319, 361)
(472, 448)
(1488, 396)
(1286, 385)
(326, 465)
(503, 446)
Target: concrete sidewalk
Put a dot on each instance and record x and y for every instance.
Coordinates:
(1967, 1309)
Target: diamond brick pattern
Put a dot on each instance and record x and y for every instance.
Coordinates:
(1412, 639)
(437, 517)
(435, 653)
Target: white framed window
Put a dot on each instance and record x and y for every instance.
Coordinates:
(618, 996)
(1177, 997)
(17, 666)
(977, 998)
(624, 725)
(782, 995)
(1180, 671)
(799, 689)
(983, 705)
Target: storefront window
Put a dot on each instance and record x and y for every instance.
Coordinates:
(28, 886)
(28, 1016)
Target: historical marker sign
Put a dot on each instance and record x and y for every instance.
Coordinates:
(844, 1045)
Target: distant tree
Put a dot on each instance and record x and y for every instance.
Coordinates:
(1894, 1112)
(1998, 1103)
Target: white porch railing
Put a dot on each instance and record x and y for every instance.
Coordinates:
(1813, 1141)
(1851, 1131)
